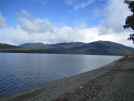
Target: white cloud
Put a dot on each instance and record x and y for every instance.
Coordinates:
(13, 35)
(78, 4)
(33, 26)
(18, 35)
(30, 29)
(83, 4)
(2, 21)
(115, 16)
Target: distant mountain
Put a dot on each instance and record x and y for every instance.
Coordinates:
(33, 45)
(94, 48)
(58, 46)
(6, 46)
(105, 47)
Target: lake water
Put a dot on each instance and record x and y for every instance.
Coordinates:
(20, 72)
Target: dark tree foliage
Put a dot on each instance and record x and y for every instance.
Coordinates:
(130, 19)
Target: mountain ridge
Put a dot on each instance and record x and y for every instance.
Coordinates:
(93, 48)
(5, 46)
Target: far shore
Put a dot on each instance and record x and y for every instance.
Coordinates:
(43, 52)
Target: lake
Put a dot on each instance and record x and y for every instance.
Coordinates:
(22, 72)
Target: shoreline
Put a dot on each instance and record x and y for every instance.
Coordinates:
(58, 87)
(15, 52)
(114, 85)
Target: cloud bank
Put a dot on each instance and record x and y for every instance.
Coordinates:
(31, 29)
(116, 14)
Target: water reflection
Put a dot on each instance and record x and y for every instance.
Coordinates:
(19, 72)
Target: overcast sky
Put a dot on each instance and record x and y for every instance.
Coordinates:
(54, 21)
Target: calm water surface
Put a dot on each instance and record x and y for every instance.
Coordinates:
(20, 72)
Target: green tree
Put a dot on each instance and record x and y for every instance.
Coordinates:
(130, 19)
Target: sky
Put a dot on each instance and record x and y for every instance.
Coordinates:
(55, 21)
